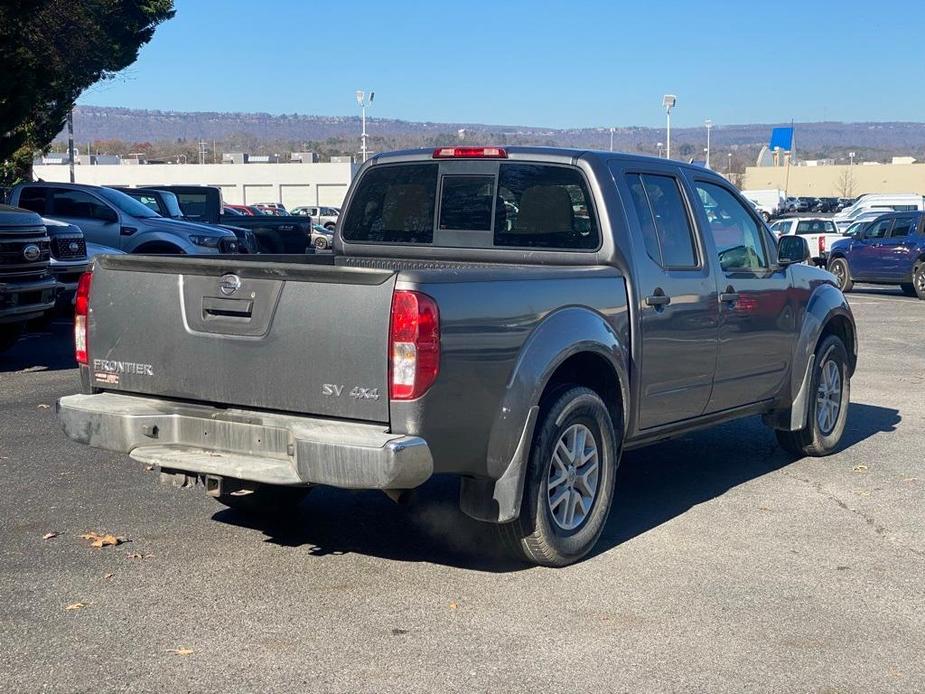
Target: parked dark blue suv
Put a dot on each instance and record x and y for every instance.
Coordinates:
(890, 250)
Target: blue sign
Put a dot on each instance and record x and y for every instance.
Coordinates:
(782, 138)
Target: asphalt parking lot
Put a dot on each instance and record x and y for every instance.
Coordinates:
(725, 566)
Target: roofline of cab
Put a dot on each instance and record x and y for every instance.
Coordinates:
(558, 155)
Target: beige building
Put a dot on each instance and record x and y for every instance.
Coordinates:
(244, 184)
(841, 181)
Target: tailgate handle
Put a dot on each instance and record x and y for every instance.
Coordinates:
(213, 307)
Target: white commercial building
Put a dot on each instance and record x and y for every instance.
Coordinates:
(243, 184)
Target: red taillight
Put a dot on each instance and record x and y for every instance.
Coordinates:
(470, 153)
(81, 312)
(821, 245)
(414, 345)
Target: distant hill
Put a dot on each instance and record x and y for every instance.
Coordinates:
(94, 123)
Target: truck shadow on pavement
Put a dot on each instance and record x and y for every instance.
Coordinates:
(654, 485)
(48, 349)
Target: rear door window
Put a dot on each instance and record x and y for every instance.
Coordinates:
(544, 206)
(666, 225)
(393, 204)
(33, 198)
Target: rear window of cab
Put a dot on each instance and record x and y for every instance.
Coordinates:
(519, 205)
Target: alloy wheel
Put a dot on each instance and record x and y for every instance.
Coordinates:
(573, 478)
(828, 397)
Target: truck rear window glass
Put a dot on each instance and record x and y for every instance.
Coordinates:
(193, 204)
(815, 226)
(393, 204)
(466, 203)
(544, 206)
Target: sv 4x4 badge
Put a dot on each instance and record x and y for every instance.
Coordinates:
(332, 390)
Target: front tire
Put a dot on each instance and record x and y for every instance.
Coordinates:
(918, 279)
(839, 268)
(568, 491)
(827, 411)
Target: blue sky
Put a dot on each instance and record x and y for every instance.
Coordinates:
(541, 63)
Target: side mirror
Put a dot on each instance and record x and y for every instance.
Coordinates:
(792, 249)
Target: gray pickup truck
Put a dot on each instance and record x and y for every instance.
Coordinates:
(515, 317)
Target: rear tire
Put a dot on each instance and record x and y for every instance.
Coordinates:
(827, 410)
(839, 268)
(568, 491)
(918, 279)
(265, 500)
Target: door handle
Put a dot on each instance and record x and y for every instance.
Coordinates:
(730, 296)
(658, 299)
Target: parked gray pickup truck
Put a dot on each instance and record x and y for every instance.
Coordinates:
(515, 317)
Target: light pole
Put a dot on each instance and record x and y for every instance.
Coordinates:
(851, 158)
(668, 101)
(659, 145)
(709, 125)
(361, 100)
(729, 163)
(611, 139)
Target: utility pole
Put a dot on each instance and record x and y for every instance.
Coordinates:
(70, 142)
(611, 139)
(202, 151)
(363, 102)
(709, 124)
(668, 101)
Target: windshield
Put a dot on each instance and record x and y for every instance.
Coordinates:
(127, 204)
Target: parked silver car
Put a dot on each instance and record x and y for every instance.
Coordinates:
(112, 218)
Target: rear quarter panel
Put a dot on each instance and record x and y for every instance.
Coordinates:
(502, 333)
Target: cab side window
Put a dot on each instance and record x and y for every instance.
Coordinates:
(78, 204)
(663, 218)
(878, 230)
(735, 232)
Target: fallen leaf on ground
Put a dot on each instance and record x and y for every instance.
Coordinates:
(180, 651)
(148, 468)
(860, 468)
(48, 536)
(138, 555)
(107, 576)
(97, 540)
(454, 605)
(74, 606)
(43, 406)
(763, 508)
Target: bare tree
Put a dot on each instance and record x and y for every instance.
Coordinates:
(844, 186)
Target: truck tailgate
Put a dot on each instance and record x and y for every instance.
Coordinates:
(289, 336)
